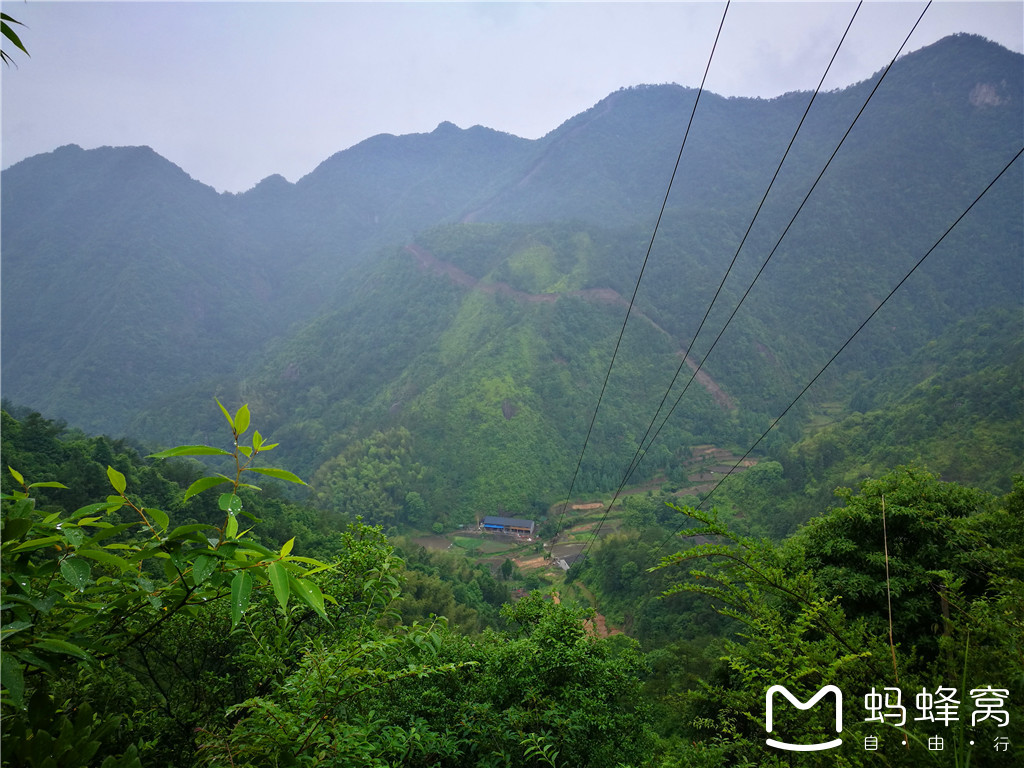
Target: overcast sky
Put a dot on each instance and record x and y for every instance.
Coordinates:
(236, 91)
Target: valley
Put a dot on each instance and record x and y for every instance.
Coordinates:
(252, 439)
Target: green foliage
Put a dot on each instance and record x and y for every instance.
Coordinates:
(48, 739)
(929, 530)
(814, 610)
(374, 479)
(314, 717)
(617, 570)
(549, 691)
(450, 585)
(420, 696)
(956, 405)
(88, 588)
(468, 286)
(8, 32)
(287, 658)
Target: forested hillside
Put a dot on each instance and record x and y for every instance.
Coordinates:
(468, 287)
(827, 343)
(237, 629)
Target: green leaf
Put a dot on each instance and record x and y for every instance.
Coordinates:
(252, 546)
(104, 557)
(309, 593)
(317, 566)
(16, 474)
(117, 480)
(16, 527)
(12, 679)
(241, 420)
(231, 528)
(76, 572)
(226, 414)
(74, 535)
(189, 450)
(44, 605)
(103, 506)
(179, 557)
(31, 544)
(257, 440)
(230, 503)
(241, 588)
(159, 516)
(61, 646)
(23, 507)
(49, 484)
(279, 581)
(203, 566)
(280, 474)
(203, 483)
(13, 627)
(187, 531)
(10, 33)
(286, 548)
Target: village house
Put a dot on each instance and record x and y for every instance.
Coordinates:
(509, 525)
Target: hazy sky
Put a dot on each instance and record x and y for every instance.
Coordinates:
(235, 91)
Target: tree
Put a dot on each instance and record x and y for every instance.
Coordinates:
(903, 540)
(546, 687)
(90, 589)
(507, 568)
(814, 611)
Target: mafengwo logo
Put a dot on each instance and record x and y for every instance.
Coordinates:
(801, 706)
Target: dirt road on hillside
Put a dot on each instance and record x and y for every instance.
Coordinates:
(429, 262)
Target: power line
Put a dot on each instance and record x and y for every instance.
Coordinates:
(854, 334)
(800, 208)
(638, 456)
(643, 266)
(807, 196)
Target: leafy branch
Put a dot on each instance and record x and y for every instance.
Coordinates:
(8, 32)
(87, 586)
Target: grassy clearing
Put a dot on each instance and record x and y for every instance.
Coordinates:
(490, 547)
(825, 414)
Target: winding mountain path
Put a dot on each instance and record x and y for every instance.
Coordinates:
(428, 261)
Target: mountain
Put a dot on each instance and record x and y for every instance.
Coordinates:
(468, 287)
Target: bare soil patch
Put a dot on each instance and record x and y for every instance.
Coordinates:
(530, 563)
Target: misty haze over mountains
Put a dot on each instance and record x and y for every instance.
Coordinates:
(468, 285)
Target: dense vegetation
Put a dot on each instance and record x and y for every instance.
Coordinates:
(468, 286)
(138, 635)
(134, 633)
(425, 324)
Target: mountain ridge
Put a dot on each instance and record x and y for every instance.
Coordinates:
(133, 293)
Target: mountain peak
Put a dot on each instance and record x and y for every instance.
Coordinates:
(446, 127)
(272, 183)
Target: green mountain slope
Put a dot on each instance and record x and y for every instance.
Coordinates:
(469, 286)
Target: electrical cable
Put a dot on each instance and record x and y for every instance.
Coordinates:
(643, 266)
(746, 293)
(641, 451)
(853, 335)
(807, 196)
